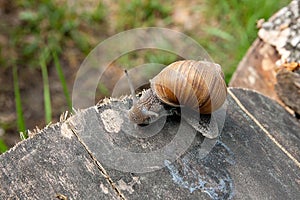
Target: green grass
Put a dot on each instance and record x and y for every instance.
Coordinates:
(62, 79)
(18, 101)
(19, 110)
(228, 31)
(142, 13)
(53, 25)
(47, 96)
(3, 146)
(44, 25)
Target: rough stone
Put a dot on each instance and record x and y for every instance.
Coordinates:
(49, 165)
(255, 157)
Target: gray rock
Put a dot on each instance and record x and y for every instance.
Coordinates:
(89, 156)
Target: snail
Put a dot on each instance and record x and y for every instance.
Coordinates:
(197, 85)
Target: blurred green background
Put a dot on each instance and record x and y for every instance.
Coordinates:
(43, 42)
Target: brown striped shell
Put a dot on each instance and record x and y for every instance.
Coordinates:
(199, 85)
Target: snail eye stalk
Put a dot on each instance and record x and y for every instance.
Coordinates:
(131, 88)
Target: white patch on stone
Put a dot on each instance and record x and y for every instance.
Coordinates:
(89, 165)
(112, 120)
(104, 189)
(122, 185)
(66, 131)
(294, 41)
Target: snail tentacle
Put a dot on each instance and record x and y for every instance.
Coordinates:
(131, 88)
(149, 113)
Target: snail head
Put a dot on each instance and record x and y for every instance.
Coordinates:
(140, 112)
(140, 115)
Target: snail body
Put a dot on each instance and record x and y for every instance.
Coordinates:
(198, 85)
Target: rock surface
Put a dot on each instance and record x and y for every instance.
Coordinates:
(98, 154)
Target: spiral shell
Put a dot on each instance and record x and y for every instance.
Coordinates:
(199, 85)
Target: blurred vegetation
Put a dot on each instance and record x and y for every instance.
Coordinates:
(142, 13)
(41, 34)
(50, 25)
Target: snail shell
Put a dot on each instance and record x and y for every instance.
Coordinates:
(199, 85)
